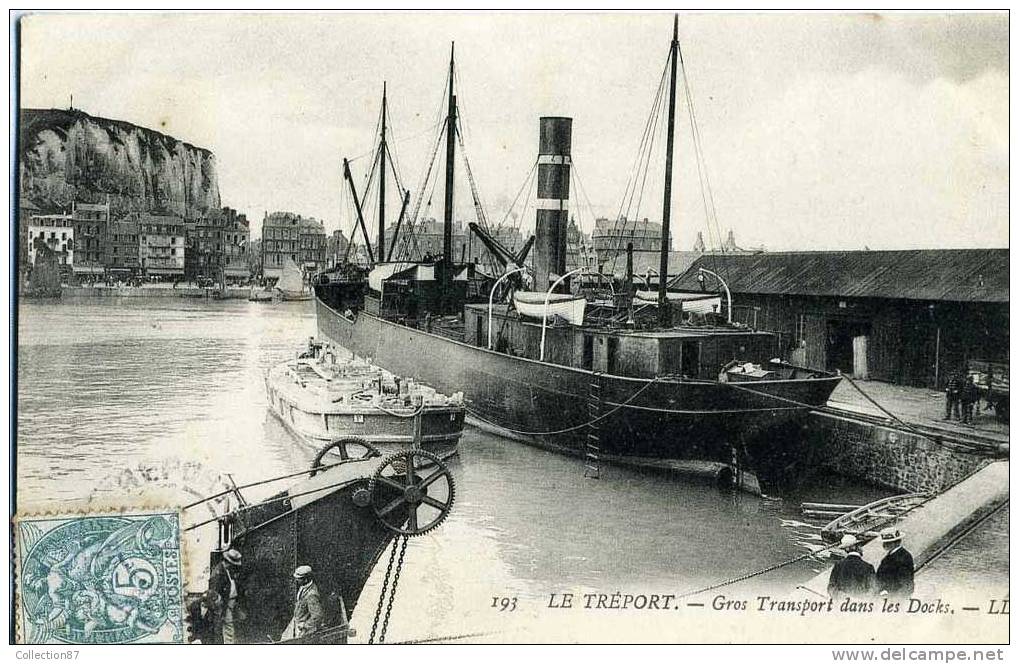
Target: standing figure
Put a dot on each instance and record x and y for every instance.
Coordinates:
(969, 395)
(953, 393)
(308, 612)
(223, 581)
(852, 576)
(895, 573)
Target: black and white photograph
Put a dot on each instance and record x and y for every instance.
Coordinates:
(510, 327)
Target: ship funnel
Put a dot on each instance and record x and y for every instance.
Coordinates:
(554, 141)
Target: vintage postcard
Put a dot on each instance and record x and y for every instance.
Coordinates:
(511, 328)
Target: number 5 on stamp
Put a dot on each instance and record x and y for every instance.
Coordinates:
(102, 579)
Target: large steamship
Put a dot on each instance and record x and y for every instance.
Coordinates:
(627, 379)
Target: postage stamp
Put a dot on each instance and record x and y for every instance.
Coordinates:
(99, 579)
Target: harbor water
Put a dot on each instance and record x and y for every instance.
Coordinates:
(107, 385)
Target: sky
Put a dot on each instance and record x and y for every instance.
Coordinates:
(818, 131)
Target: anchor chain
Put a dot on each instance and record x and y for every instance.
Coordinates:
(392, 592)
(400, 541)
(382, 593)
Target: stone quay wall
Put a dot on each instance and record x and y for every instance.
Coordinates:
(888, 457)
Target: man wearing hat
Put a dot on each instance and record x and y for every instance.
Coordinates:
(224, 591)
(895, 573)
(852, 576)
(308, 612)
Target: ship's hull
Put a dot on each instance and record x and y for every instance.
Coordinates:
(441, 428)
(550, 405)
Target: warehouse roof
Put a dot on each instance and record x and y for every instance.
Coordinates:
(959, 275)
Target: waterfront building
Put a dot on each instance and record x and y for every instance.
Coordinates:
(312, 245)
(907, 317)
(122, 252)
(161, 245)
(217, 247)
(286, 235)
(56, 231)
(91, 222)
(236, 234)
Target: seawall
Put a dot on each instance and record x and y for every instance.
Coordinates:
(892, 457)
(83, 291)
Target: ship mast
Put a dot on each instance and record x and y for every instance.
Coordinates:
(381, 253)
(664, 314)
(447, 216)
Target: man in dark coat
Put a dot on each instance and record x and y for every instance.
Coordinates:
(968, 395)
(852, 576)
(224, 593)
(309, 615)
(895, 573)
(953, 394)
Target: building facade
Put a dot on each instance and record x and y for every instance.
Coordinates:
(56, 231)
(236, 242)
(905, 317)
(289, 236)
(91, 225)
(122, 249)
(161, 245)
(217, 247)
(312, 245)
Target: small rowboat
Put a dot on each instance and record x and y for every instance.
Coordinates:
(864, 522)
(568, 307)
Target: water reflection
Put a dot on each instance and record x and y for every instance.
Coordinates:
(105, 386)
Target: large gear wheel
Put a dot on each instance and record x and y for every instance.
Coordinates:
(412, 492)
(343, 449)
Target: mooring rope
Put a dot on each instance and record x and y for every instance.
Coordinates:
(573, 428)
(805, 556)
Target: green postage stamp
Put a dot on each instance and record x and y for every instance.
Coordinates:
(99, 579)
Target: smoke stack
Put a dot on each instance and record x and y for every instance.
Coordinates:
(554, 142)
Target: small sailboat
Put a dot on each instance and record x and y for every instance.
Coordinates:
(291, 285)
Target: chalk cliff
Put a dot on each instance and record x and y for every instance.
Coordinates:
(68, 155)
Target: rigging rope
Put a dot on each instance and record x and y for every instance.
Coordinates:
(623, 216)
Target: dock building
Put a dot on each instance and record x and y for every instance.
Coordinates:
(906, 317)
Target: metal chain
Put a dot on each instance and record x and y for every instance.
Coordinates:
(392, 593)
(382, 593)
